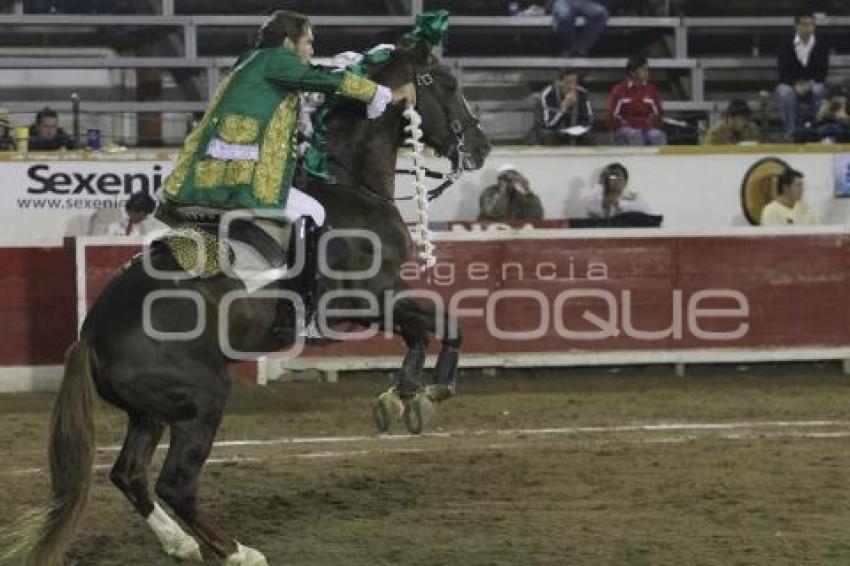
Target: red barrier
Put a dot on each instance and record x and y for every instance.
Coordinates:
(37, 305)
(794, 288)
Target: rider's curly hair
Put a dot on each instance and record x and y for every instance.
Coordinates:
(280, 25)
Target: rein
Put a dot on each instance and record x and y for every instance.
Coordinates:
(449, 179)
(424, 80)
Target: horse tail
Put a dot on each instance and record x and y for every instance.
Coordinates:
(71, 450)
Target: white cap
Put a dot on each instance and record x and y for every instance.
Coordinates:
(505, 168)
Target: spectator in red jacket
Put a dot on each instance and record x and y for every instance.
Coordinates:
(635, 112)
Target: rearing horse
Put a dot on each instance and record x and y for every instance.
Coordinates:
(184, 384)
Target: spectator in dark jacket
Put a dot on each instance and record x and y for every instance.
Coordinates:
(803, 67)
(566, 112)
(46, 135)
(7, 142)
(635, 112)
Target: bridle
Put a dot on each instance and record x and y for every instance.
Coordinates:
(458, 129)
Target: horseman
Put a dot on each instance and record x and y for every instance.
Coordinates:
(243, 154)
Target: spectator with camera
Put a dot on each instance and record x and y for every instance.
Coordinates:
(566, 112)
(833, 121)
(803, 67)
(510, 198)
(611, 196)
(736, 127)
(635, 111)
(46, 135)
(788, 208)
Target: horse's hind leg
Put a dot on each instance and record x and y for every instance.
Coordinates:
(191, 442)
(130, 475)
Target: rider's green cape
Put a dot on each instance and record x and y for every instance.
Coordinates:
(243, 153)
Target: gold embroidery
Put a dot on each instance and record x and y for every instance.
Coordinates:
(275, 153)
(239, 173)
(209, 173)
(239, 129)
(184, 248)
(357, 87)
(190, 147)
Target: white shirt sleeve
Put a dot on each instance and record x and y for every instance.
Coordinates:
(115, 229)
(383, 96)
(593, 203)
(633, 203)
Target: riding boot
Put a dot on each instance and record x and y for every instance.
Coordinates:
(304, 243)
(307, 282)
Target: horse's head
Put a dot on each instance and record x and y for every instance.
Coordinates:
(448, 124)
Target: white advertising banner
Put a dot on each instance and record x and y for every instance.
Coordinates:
(43, 201)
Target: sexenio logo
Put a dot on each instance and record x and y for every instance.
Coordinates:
(79, 179)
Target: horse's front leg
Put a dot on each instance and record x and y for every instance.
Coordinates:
(410, 320)
(445, 373)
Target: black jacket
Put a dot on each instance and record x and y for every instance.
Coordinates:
(61, 140)
(581, 113)
(791, 70)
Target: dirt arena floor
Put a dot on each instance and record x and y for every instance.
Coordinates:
(727, 466)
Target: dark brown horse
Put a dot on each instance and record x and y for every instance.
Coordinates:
(183, 382)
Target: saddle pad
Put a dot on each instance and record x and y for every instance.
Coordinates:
(184, 245)
(248, 265)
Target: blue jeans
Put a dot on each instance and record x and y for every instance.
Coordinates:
(564, 14)
(634, 136)
(837, 132)
(788, 102)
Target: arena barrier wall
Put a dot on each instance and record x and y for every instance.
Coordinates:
(765, 294)
(49, 196)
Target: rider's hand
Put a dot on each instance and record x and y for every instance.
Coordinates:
(403, 93)
(803, 88)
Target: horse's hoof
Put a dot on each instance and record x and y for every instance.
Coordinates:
(175, 542)
(245, 556)
(438, 393)
(418, 413)
(385, 408)
(381, 416)
(187, 551)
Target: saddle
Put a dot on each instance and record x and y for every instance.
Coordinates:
(194, 224)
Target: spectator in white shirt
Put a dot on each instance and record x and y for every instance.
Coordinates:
(134, 221)
(788, 208)
(611, 196)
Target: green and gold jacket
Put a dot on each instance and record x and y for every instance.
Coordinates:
(243, 153)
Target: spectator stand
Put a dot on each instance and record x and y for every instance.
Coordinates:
(696, 70)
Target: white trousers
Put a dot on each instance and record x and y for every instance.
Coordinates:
(300, 204)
